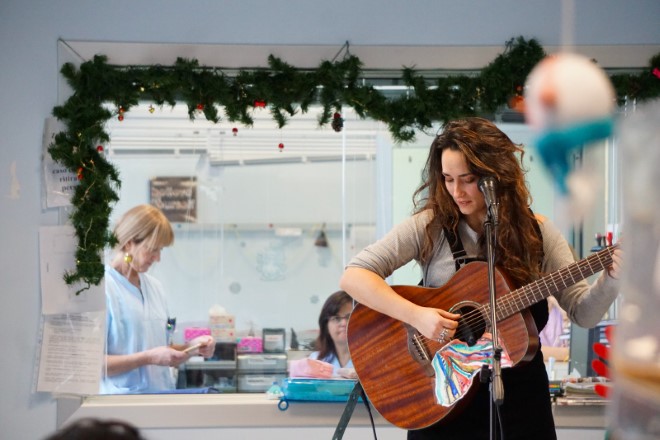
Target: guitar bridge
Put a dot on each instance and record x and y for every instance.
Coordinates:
(418, 350)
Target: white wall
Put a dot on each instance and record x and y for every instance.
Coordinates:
(29, 31)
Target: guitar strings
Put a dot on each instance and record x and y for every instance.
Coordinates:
(481, 314)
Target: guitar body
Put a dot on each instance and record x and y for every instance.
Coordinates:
(399, 384)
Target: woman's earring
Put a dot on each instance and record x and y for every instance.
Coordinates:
(128, 258)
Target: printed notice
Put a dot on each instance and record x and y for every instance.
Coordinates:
(71, 356)
(57, 247)
(176, 197)
(59, 181)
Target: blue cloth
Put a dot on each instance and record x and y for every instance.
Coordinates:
(332, 359)
(555, 146)
(136, 321)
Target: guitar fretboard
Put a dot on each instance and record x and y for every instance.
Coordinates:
(521, 298)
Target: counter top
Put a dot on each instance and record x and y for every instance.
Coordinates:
(250, 410)
(210, 410)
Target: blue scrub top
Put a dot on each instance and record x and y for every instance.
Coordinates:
(136, 321)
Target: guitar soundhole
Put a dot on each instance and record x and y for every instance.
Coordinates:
(471, 325)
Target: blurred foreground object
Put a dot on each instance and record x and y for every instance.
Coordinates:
(569, 102)
(635, 351)
(97, 429)
(601, 363)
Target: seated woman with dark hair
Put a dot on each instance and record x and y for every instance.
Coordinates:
(332, 342)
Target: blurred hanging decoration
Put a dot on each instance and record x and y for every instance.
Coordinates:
(321, 239)
(280, 146)
(569, 102)
(287, 91)
(234, 131)
(337, 122)
(517, 101)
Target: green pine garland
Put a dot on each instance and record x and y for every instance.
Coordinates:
(286, 90)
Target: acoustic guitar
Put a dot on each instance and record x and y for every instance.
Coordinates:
(414, 382)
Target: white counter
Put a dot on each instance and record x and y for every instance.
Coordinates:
(249, 416)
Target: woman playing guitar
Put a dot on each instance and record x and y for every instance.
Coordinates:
(445, 232)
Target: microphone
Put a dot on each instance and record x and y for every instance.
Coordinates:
(488, 186)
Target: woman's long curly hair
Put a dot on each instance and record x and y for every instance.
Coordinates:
(489, 152)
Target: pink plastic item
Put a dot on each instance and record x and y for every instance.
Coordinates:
(250, 344)
(310, 368)
(191, 333)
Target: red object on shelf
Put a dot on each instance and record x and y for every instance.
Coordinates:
(609, 238)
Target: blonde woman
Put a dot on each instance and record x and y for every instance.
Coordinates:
(139, 353)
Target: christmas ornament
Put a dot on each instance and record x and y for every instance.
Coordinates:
(200, 107)
(569, 102)
(151, 109)
(128, 258)
(99, 148)
(120, 117)
(234, 131)
(517, 102)
(337, 122)
(281, 146)
(260, 103)
(80, 173)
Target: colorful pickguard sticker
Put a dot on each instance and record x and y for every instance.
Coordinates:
(456, 364)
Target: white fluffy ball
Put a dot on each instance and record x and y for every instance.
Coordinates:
(565, 89)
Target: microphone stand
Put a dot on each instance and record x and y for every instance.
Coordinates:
(495, 375)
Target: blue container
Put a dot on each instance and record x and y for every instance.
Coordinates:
(318, 390)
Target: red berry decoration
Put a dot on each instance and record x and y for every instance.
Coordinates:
(200, 107)
(517, 103)
(281, 146)
(99, 148)
(234, 131)
(337, 122)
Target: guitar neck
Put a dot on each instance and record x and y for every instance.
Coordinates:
(521, 298)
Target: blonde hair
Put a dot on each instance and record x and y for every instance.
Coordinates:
(144, 225)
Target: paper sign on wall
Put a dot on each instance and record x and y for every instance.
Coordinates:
(71, 353)
(57, 247)
(59, 181)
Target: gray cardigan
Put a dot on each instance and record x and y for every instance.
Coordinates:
(585, 304)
